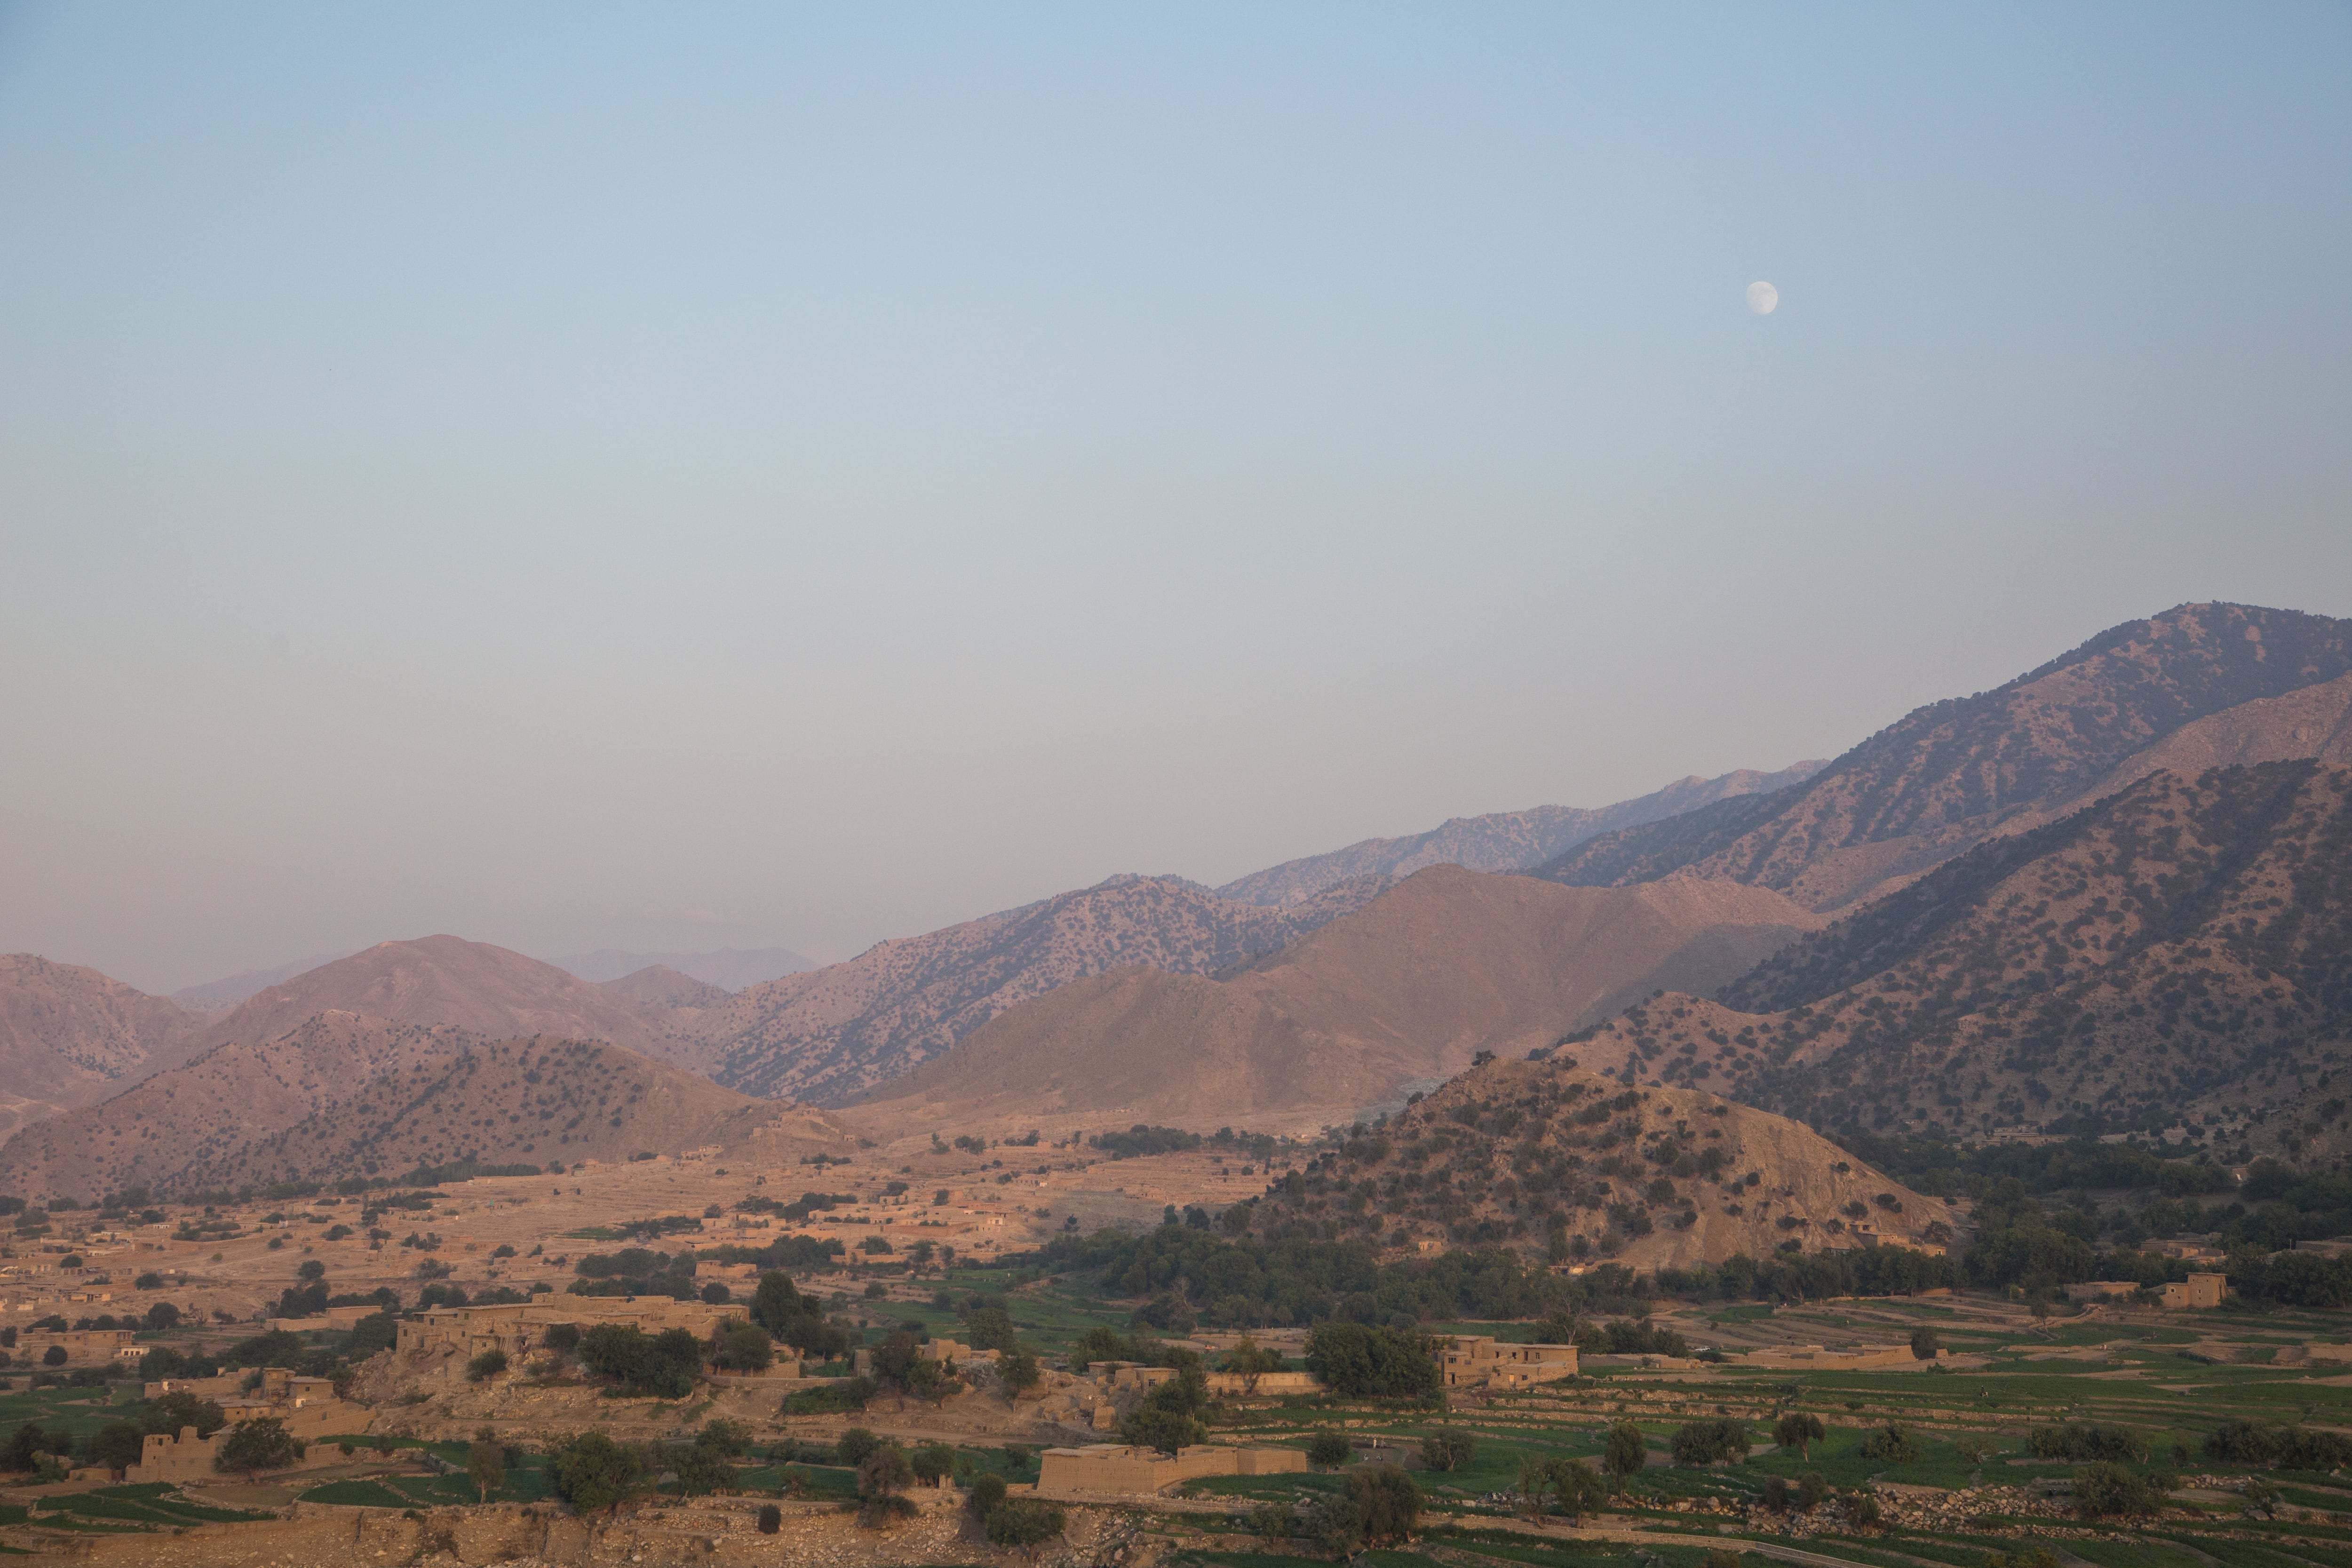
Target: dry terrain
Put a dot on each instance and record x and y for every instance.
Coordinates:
(1395, 997)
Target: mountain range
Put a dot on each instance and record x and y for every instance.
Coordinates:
(1500, 841)
(2179, 951)
(1953, 773)
(2101, 896)
(1394, 997)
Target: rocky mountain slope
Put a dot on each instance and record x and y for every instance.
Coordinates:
(68, 1033)
(1397, 996)
(1544, 1154)
(1953, 773)
(1500, 841)
(2180, 948)
(472, 986)
(830, 1033)
(341, 1095)
(497, 1102)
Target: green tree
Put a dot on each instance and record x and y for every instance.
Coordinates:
(1017, 1369)
(117, 1445)
(1329, 1450)
(252, 1446)
(1024, 1523)
(932, 1463)
(854, 1446)
(1444, 1450)
(1924, 1343)
(1625, 1454)
(884, 1471)
(743, 1347)
(1698, 1443)
(1811, 1490)
(592, 1471)
(1387, 1503)
(1891, 1442)
(486, 1466)
(987, 1490)
(172, 1411)
(1358, 1362)
(487, 1364)
(771, 1519)
(1250, 1360)
(2106, 1488)
(1800, 1431)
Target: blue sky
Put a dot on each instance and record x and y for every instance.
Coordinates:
(688, 476)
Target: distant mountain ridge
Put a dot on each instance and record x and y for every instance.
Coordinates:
(1500, 841)
(836, 1032)
(2182, 948)
(213, 996)
(729, 969)
(1953, 773)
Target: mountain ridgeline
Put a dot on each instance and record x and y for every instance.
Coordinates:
(2180, 948)
(1954, 772)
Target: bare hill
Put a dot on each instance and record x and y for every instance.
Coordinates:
(1953, 774)
(826, 1035)
(497, 1102)
(436, 980)
(729, 968)
(1397, 996)
(154, 1131)
(1500, 841)
(2181, 949)
(1525, 1153)
(67, 1033)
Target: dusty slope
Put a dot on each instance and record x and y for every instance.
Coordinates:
(2179, 948)
(229, 1095)
(497, 1102)
(1399, 995)
(1500, 841)
(1516, 1151)
(472, 986)
(67, 1033)
(1951, 775)
(829, 1035)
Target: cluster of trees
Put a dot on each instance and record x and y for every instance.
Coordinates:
(635, 1271)
(250, 1446)
(1139, 1140)
(796, 1319)
(2081, 1442)
(664, 1364)
(2281, 1447)
(1377, 1362)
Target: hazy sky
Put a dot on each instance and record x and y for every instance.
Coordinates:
(681, 476)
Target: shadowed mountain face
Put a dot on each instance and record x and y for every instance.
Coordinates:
(1953, 773)
(2178, 948)
(341, 1095)
(1396, 996)
(1503, 841)
(829, 1035)
(68, 1034)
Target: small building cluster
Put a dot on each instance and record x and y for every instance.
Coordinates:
(1483, 1362)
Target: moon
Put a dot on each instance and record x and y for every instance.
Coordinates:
(1762, 297)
